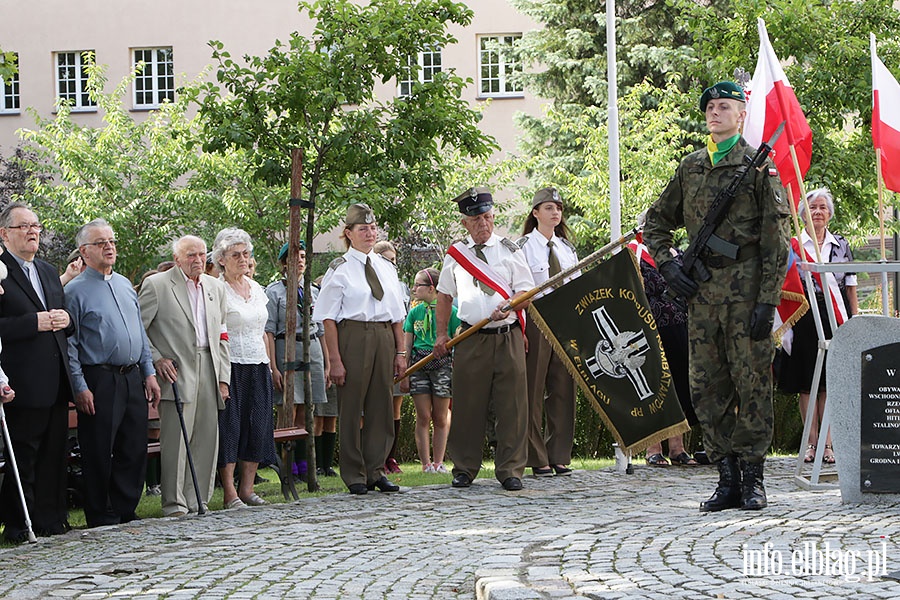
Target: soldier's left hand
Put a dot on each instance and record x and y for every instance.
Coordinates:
(761, 321)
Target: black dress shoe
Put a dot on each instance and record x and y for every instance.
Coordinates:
(15, 537)
(384, 485)
(542, 472)
(512, 484)
(461, 481)
(358, 489)
(561, 470)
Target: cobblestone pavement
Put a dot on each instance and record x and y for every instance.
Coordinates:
(592, 535)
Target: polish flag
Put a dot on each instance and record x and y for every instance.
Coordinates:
(886, 120)
(771, 101)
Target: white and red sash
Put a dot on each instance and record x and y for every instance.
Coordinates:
(834, 292)
(484, 273)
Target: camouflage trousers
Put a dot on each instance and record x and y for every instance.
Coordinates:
(731, 381)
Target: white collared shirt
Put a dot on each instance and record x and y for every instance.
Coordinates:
(473, 304)
(538, 256)
(198, 309)
(345, 294)
(827, 247)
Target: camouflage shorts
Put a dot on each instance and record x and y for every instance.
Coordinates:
(437, 383)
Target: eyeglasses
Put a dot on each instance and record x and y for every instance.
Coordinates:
(101, 243)
(28, 226)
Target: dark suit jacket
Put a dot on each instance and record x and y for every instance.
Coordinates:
(31, 358)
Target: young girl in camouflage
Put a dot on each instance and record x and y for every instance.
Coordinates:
(430, 385)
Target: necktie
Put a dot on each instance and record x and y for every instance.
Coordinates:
(553, 259)
(31, 272)
(372, 280)
(479, 252)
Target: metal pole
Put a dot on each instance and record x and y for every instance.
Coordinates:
(612, 117)
(15, 470)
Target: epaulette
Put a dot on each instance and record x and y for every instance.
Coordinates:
(337, 262)
(510, 245)
(522, 241)
(568, 243)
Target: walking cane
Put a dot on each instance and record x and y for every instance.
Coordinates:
(179, 406)
(15, 470)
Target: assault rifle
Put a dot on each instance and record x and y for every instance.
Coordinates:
(706, 238)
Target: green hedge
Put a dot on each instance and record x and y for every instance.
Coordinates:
(593, 439)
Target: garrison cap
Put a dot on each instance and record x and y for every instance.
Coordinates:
(73, 255)
(475, 201)
(723, 89)
(282, 254)
(547, 194)
(359, 214)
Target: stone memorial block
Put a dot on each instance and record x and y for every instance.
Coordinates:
(863, 383)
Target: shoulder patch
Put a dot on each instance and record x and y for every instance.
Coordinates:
(522, 241)
(337, 262)
(387, 261)
(510, 245)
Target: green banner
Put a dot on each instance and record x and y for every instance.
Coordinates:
(601, 326)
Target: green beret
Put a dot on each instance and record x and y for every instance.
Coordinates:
(475, 201)
(723, 89)
(282, 254)
(359, 214)
(547, 194)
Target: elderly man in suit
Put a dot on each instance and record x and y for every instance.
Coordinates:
(33, 327)
(183, 311)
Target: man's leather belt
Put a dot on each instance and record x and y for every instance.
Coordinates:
(718, 261)
(300, 337)
(495, 330)
(117, 368)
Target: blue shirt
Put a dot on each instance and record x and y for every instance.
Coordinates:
(108, 327)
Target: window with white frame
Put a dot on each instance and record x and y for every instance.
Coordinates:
(427, 64)
(9, 94)
(497, 66)
(71, 80)
(155, 83)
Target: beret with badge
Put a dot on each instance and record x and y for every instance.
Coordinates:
(723, 89)
(359, 214)
(547, 194)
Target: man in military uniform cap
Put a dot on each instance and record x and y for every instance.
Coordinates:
(730, 316)
(489, 366)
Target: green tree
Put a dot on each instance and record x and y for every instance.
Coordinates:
(317, 94)
(681, 46)
(148, 178)
(8, 65)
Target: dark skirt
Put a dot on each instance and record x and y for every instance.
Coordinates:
(246, 426)
(798, 367)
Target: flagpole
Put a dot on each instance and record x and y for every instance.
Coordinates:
(517, 300)
(879, 175)
(612, 118)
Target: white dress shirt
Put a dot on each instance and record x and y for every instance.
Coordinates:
(538, 256)
(473, 304)
(345, 294)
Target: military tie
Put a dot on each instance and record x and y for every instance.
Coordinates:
(479, 252)
(372, 280)
(553, 259)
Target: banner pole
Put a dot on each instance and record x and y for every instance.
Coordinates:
(514, 302)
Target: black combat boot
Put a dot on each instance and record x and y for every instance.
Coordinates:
(728, 492)
(753, 492)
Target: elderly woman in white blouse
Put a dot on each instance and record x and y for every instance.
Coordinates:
(246, 424)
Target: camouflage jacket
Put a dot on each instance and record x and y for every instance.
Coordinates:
(757, 222)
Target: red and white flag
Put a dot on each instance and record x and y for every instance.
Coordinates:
(886, 120)
(771, 101)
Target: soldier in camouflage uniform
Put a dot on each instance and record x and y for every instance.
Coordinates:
(730, 316)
